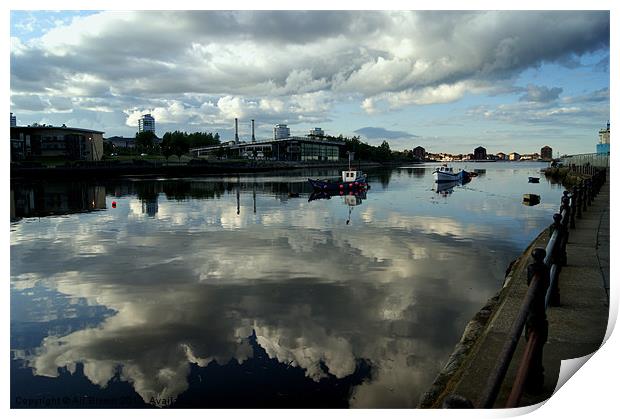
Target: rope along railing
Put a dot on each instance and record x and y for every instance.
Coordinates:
(543, 291)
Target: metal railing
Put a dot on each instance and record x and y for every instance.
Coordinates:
(586, 161)
(543, 291)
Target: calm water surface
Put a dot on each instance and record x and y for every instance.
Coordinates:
(235, 292)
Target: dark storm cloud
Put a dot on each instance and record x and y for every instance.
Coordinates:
(378, 132)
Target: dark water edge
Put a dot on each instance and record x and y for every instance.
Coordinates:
(106, 170)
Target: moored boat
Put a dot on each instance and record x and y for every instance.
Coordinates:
(532, 179)
(447, 174)
(351, 180)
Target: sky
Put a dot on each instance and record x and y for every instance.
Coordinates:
(448, 81)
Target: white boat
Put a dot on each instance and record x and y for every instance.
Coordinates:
(447, 174)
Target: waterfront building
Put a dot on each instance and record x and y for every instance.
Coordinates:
(49, 141)
(317, 132)
(546, 153)
(146, 123)
(419, 152)
(13, 120)
(281, 131)
(501, 156)
(531, 156)
(480, 153)
(514, 156)
(150, 207)
(603, 141)
(285, 149)
(121, 142)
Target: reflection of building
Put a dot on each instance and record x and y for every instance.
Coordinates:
(514, 156)
(146, 123)
(45, 199)
(419, 152)
(480, 153)
(48, 141)
(546, 153)
(13, 120)
(281, 131)
(150, 207)
(603, 141)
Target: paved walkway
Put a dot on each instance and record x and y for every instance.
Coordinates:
(576, 328)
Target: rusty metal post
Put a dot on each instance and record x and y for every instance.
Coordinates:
(557, 256)
(573, 208)
(584, 195)
(578, 203)
(565, 202)
(536, 322)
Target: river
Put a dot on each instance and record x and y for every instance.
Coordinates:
(242, 292)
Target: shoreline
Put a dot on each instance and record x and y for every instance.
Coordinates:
(148, 169)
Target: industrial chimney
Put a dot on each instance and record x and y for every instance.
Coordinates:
(253, 138)
(236, 130)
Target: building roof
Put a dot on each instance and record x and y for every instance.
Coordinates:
(50, 127)
(228, 144)
(119, 138)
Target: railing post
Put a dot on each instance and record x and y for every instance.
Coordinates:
(589, 187)
(584, 196)
(578, 202)
(565, 202)
(573, 207)
(557, 256)
(537, 321)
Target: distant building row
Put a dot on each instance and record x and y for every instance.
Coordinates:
(480, 153)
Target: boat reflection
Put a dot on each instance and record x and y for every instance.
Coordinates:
(351, 199)
(446, 188)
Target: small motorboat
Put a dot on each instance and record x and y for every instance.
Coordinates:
(532, 179)
(447, 174)
(351, 180)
